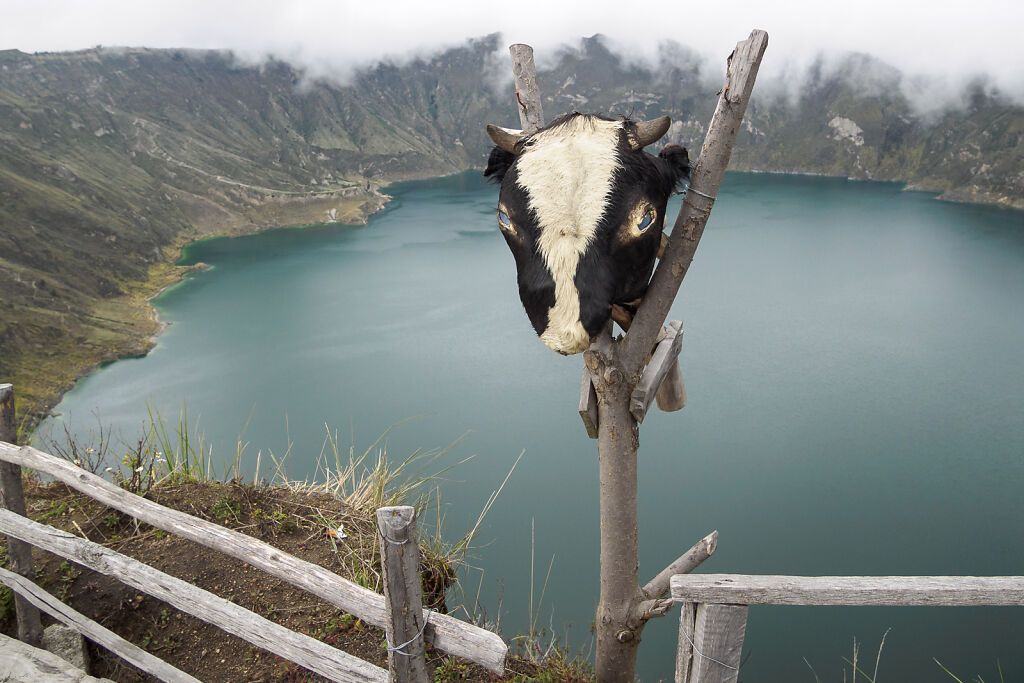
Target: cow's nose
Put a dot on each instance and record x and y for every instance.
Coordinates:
(566, 340)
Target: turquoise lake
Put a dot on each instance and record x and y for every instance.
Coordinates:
(853, 357)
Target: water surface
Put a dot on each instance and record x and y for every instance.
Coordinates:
(853, 361)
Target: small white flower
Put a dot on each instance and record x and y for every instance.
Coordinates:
(139, 469)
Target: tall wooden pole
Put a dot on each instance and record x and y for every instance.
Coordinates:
(615, 370)
(624, 607)
(20, 553)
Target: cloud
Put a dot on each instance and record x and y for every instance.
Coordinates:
(933, 38)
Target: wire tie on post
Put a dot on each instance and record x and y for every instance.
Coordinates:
(733, 668)
(690, 188)
(389, 539)
(398, 649)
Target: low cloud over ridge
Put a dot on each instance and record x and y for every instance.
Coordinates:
(939, 43)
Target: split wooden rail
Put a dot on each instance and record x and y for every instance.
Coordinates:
(713, 620)
(398, 611)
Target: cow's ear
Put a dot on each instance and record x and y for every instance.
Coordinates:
(677, 161)
(498, 164)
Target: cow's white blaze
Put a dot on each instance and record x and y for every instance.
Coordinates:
(567, 174)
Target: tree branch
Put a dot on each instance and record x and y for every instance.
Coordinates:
(693, 216)
(531, 114)
(684, 564)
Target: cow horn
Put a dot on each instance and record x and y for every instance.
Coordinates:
(504, 138)
(650, 131)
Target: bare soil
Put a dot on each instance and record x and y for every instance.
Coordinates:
(296, 522)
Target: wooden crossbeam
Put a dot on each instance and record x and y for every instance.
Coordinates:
(235, 619)
(939, 591)
(42, 600)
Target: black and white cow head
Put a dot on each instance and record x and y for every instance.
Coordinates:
(582, 207)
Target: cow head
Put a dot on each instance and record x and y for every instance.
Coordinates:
(582, 208)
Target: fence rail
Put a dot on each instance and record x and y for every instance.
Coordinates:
(713, 621)
(299, 648)
(444, 632)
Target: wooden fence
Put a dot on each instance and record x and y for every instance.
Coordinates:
(714, 607)
(409, 627)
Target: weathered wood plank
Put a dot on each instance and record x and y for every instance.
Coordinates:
(588, 404)
(684, 648)
(531, 113)
(296, 647)
(12, 497)
(940, 591)
(400, 560)
(662, 361)
(446, 633)
(718, 643)
(93, 631)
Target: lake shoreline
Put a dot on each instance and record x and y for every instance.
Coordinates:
(142, 321)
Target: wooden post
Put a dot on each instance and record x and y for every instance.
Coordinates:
(718, 643)
(684, 651)
(620, 618)
(400, 555)
(30, 630)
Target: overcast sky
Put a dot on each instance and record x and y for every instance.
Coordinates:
(954, 40)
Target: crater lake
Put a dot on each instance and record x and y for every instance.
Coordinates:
(854, 364)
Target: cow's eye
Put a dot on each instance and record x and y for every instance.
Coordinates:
(642, 217)
(505, 223)
(646, 221)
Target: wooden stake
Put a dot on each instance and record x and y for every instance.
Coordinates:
(30, 629)
(718, 643)
(400, 560)
(684, 651)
